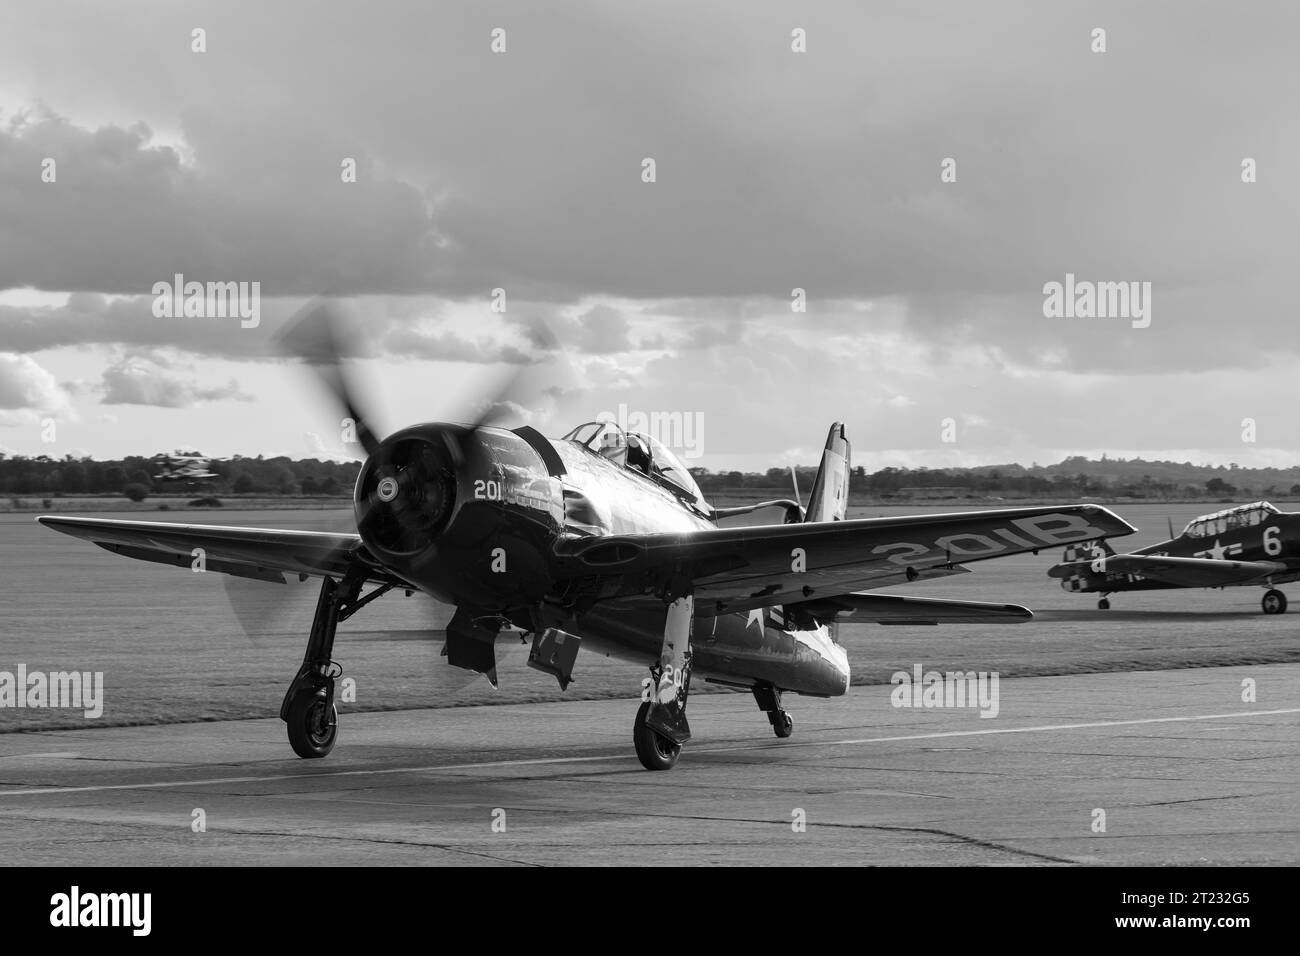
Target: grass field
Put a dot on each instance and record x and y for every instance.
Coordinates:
(176, 646)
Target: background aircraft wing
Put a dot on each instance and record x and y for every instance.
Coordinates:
(262, 553)
(738, 569)
(897, 609)
(1184, 572)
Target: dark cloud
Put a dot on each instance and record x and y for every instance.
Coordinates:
(775, 170)
(124, 213)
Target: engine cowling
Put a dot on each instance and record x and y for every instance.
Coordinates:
(468, 514)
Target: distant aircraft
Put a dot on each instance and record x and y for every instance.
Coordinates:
(602, 539)
(184, 466)
(1250, 545)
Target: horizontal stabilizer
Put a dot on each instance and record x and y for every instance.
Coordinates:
(897, 609)
(1086, 551)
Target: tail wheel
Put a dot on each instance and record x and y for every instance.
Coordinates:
(1274, 602)
(313, 726)
(655, 751)
(1103, 605)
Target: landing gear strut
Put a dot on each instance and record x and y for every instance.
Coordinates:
(661, 728)
(1274, 602)
(768, 698)
(308, 706)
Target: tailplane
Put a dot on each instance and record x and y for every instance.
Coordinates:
(830, 493)
(1087, 551)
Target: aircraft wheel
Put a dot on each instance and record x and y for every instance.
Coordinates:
(1274, 602)
(313, 728)
(783, 726)
(1103, 605)
(655, 751)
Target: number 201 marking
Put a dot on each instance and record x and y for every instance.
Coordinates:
(487, 490)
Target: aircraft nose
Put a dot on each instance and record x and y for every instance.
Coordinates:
(405, 494)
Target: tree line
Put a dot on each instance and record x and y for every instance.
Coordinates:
(44, 475)
(1075, 477)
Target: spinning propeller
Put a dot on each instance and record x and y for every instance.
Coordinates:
(406, 488)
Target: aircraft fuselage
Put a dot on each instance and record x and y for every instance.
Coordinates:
(502, 516)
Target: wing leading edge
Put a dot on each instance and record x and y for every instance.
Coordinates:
(739, 569)
(266, 554)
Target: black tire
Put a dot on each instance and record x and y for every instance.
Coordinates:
(784, 726)
(1103, 605)
(1274, 602)
(311, 735)
(655, 751)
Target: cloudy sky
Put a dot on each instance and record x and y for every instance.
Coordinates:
(523, 170)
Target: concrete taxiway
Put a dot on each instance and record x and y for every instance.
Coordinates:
(1184, 769)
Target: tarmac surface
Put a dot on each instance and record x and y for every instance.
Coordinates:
(1185, 769)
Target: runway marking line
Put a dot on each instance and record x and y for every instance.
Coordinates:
(606, 758)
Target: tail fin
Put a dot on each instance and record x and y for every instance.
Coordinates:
(830, 493)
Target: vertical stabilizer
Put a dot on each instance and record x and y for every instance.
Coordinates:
(830, 493)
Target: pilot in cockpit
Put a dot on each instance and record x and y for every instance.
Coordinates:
(638, 454)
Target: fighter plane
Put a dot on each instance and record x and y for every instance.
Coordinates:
(602, 539)
(1252, 544)
(184, 466)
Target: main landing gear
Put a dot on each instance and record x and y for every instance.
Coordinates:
(1274, 602)
(308, 708)
(661, 728)
(655, 750)
(768, 698)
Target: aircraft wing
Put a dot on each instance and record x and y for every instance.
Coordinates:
(265, 554)
(897, 609)
(739, 569)
(1183, 572)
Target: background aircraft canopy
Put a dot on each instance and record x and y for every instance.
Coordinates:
(1242, 516)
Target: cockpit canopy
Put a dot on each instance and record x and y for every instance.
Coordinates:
(637, 452)
(1242, 516)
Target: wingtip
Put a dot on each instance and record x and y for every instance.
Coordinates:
(1121, 522)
